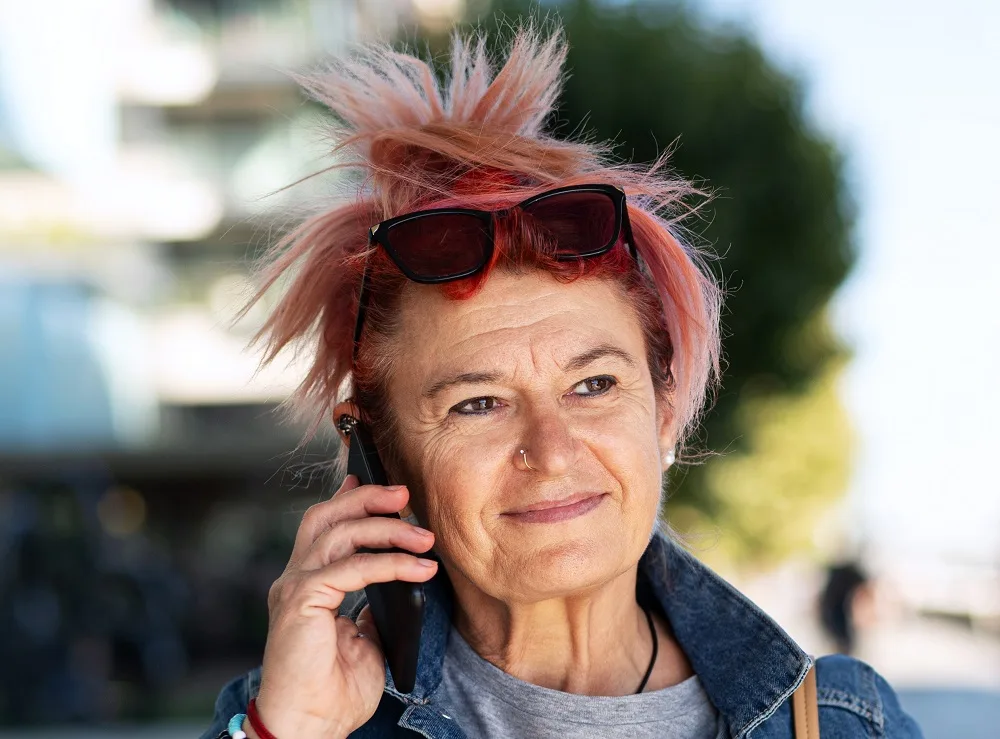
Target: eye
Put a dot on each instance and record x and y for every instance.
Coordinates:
(595, 385)
(476, 406)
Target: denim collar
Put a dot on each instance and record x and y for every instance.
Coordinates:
(747, 664)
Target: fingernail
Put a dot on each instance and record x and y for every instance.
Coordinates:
(422, 532)
(426, 562)
(394, 488)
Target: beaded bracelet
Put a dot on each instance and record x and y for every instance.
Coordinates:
(235, 727)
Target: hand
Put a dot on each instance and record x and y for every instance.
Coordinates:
(319, 679)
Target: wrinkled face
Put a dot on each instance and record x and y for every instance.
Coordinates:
(560, 371)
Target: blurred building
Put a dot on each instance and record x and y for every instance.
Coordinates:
(138, 205)
(144, 148)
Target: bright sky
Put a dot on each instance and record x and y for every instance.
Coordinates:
(912, 92)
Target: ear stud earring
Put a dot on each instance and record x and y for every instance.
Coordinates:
(669, 458)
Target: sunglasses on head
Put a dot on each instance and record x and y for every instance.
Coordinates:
(446, 244)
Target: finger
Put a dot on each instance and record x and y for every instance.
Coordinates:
(357, 645)
(375, 532)
(366, 626)
(348, 503)
(363, 569)
(347, 629)
(296, 593)
(320, 514)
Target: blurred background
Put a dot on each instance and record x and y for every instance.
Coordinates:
(149, 493)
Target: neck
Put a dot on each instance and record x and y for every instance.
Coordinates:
(593, 643)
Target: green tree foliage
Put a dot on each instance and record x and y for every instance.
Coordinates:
(647, 76)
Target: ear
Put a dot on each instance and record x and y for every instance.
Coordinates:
(345, 407)
(666, 431)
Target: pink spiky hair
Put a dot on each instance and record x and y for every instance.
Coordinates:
(475, 140)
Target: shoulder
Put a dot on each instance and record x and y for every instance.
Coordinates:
(850, 691)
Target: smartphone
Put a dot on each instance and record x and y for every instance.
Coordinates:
(397, 607)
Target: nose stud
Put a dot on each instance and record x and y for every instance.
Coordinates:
(524, 456)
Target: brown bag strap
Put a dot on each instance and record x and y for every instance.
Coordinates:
(805, 708)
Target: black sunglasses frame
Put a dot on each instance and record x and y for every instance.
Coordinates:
(380, 234)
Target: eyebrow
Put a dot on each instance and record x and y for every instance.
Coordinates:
(598, 352)
(466, 378)
(573, 365)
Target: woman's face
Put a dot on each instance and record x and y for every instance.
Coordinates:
(560, 371)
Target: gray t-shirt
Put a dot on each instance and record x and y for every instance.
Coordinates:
(487, 702)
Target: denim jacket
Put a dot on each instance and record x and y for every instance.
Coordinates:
(747, 664)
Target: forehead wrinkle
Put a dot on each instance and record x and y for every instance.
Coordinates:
(516, 307)
(518, 313)
(469, 336)
(540, 344)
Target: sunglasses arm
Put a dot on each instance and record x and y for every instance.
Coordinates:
(627, 227)
(362, 310)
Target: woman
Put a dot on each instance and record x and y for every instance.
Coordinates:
(530, 346)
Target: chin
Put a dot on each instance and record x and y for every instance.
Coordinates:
(574, 564)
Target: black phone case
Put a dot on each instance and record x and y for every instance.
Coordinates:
(397, 607)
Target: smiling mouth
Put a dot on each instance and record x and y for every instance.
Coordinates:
(555, 511)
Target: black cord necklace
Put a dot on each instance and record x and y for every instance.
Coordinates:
(656, 648)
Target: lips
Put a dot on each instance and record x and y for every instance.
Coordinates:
(545, 505)
(554, 511)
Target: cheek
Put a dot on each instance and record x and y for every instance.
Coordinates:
(626, 444)
(460, 479)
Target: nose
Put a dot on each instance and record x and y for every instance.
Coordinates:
(550, 448)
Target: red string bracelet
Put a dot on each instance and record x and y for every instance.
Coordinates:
(256, 722)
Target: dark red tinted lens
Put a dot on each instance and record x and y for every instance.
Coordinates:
(440, 245)
(577, 222)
